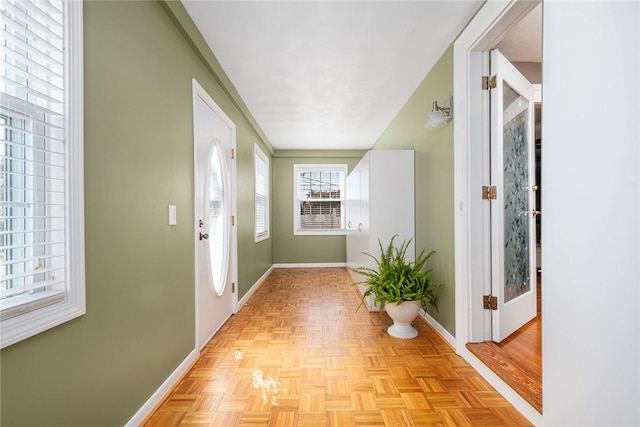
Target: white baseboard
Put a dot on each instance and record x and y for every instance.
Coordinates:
(311, 265)
(501, 387)
(438, 327)
(255, 287)
(163, 390)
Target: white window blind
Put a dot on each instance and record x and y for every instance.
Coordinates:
(35, 160)
(262, 194)
(319, 198)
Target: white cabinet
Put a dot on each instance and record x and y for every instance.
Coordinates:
(380, 202)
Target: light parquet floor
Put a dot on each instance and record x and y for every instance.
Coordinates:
(333, 366)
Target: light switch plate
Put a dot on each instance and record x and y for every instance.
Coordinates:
(173, 220)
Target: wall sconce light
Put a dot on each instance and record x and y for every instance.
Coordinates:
(440, 116)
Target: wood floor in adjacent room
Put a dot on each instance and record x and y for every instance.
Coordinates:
(518, 359)
(317, 362)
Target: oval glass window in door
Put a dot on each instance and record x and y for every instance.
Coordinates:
(217, 217)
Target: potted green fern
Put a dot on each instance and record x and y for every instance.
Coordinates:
(399, 286)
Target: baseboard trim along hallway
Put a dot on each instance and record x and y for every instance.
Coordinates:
(254, 288)
(312, 265)
(161, 393)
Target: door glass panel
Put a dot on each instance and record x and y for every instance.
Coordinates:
(218, 228)
(516, 194)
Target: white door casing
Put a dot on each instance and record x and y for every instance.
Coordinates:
(483, 33)
(215, 204)
(513, 268)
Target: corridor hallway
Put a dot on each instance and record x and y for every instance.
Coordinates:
(316, 362)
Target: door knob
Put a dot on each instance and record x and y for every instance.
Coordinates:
(360, 227)
(536, 213)
(204, 236)
(349, 224)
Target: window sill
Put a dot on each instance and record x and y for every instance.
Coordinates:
(261, 237)
(48, 310)
(22, 304)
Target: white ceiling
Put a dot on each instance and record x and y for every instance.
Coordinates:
(328, 74)
(523, 42)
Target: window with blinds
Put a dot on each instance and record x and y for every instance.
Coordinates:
(261, 166)
(41, 222)
(319, 199)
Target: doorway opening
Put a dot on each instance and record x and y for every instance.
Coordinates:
(494, 27)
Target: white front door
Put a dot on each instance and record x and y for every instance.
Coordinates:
(215, 236)
(513, 248)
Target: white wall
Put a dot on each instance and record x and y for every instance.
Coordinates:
(591, 211)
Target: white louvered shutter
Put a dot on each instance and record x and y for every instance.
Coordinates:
(32, 183)
(261, 194)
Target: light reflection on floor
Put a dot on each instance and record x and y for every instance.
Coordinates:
(269, 387)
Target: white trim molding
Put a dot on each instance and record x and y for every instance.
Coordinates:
(311, 265)
(501, 387)
(254, 288)
(165, 388)
(439, 329)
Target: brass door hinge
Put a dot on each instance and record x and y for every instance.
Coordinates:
(233, 220)
(489, 192)
(233, 287)
(233, 153)
(489, 302)
(489, 82)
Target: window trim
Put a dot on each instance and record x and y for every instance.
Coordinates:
(296, 211)
(23, 326)
(259, 154)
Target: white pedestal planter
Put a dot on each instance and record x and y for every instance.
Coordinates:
(402, 315)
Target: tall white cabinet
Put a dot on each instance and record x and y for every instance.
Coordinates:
(380, 202)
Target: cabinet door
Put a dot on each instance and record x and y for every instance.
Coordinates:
(362, 227)
(380, 204)
(391, 203)
(352, 216)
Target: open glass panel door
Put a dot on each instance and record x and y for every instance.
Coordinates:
(513, 244)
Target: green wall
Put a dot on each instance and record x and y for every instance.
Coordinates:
(434, 178)
(99, 369)
(287, 247)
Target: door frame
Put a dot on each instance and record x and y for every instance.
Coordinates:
(471, 151)
(199, 92)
